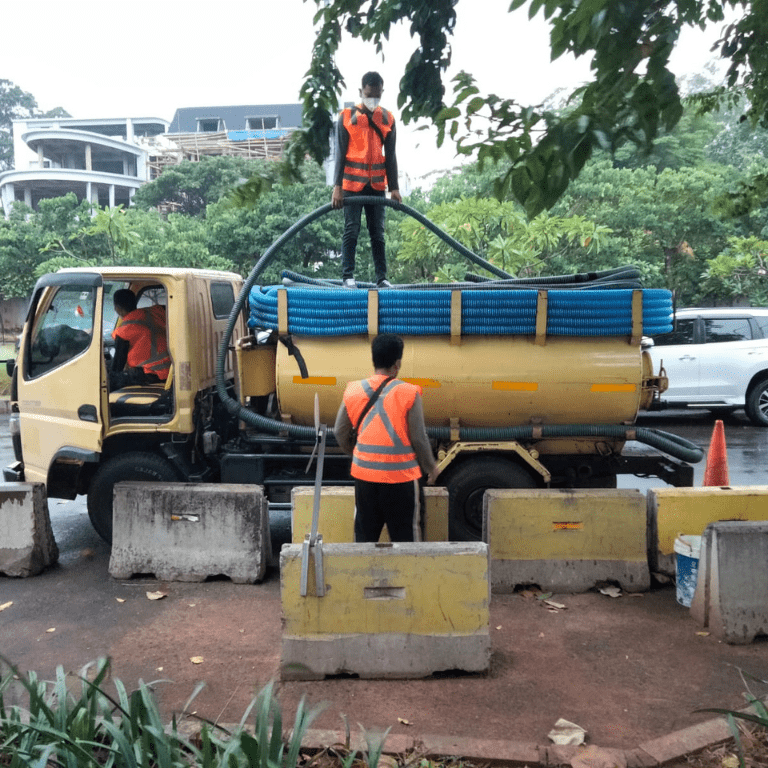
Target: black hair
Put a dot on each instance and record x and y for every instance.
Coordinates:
(386, 350)
(125, 298)
(374, 79)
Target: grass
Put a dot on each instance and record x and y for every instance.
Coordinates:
(92, 728)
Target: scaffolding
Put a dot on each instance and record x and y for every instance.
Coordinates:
(260, 145)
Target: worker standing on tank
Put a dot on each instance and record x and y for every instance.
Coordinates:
(380, 423)
(366, 164)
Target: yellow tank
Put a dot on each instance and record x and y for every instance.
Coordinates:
(481, 381)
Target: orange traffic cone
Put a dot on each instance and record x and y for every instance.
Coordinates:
(716, 472)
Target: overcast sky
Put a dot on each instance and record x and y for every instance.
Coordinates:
(146, 58)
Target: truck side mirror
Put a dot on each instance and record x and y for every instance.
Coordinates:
(9, 366)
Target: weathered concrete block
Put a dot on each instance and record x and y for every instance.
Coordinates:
(731, 597)
(672, 511)
(337, 514)
(189, 531)
(566, 540)
(27, 545)
(393, 611)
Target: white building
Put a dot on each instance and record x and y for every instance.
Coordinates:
(104, 161)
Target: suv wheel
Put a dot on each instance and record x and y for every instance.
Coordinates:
(757, 404)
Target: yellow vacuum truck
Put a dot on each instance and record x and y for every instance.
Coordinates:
(525, 383)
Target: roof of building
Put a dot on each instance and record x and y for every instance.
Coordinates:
(234, 118)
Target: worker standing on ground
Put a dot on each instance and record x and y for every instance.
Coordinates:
(140, 343)
(366, 164)
(381, 425)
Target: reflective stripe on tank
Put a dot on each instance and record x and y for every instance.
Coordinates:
(324, 381)
(613, 388)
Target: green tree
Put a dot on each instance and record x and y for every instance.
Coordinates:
(243, 233)
(190, 187)
(14, 104)
(739, 272)
(631, 98)
(499, 232)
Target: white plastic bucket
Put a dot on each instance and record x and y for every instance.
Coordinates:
(687, 549)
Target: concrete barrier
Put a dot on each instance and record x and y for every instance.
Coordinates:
(27, 545)
(189, 531)
(566, 540)
(731, 597)
(389, 611)
(337, 514)
(672, 511)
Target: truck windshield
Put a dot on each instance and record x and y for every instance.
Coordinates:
(63, 330)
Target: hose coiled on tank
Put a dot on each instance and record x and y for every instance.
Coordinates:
(671, 444)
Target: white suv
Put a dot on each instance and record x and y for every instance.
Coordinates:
(716, 359)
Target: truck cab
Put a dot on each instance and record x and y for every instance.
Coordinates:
(69, 430)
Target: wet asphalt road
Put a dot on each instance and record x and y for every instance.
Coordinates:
(747, 449)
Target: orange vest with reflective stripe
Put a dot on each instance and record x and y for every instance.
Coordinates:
(364, 163)
(144, 330)
(383, 452)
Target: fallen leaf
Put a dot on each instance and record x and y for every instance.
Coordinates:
(404, 721)
(703, 634)
(730, 761)
(88, 554)
(159, 669)
(541, 634)
(553, 604)
(52, 629)
(544, 596)
(156, 595)
(610, 591)
(499, 627)
(120, 599)
(197, 659)
(6, 605)
(191, 605)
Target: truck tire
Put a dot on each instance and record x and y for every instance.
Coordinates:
(129, 466)
(756, 405)
(466, 486)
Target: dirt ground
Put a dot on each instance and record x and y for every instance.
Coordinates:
(626, 669)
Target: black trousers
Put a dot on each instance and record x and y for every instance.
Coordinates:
(374, 217)
(399, 505)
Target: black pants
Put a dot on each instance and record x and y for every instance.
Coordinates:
(374, 217)
(399, 505)
(131, 376)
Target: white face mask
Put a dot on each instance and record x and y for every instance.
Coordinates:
(370, 103)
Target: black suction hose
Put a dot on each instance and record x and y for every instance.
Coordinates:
(663, 441)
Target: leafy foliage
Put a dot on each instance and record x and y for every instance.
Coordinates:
(190, 187)
(14, 104)
(632, 97)
(497, 231)
(58, 727)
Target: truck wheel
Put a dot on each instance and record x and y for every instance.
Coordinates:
(466, 486)
(757, 404)
(129, 466)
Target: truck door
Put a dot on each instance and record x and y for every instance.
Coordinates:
(61, 377)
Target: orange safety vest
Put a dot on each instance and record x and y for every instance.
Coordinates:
(364, 162)
(144, 330)
(383, 452)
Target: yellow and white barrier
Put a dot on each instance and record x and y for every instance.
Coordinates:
(337, 514)
(566, 540)
(672, 511)
(392, 610)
